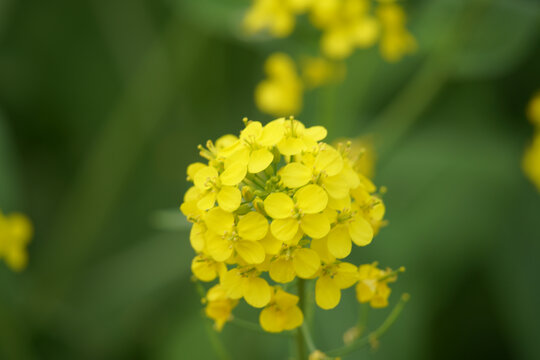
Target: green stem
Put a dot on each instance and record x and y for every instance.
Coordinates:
(375, 335)
(363, 318)
(300, 342)
(307, 336)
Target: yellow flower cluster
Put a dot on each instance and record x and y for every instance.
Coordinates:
(345, 24)
(15, 234)
(276, 204)
(531, 159)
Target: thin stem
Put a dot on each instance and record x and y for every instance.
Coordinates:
(307, 336)
(300, 342)
(363, 319)
(375, 335)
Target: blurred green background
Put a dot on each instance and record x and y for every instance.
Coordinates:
(102, 105)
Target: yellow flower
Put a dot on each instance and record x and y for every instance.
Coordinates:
(294, 261)
(373, 286)
(277, 203)
(244, 282)
(15, 234)
(219, 307)
(276, 16)
(207, 269)
(282, 91)
(334, 278)
(224, 237)
(282, 313)
(533, 110)
(396, 41)
(318, 71)
(531, 161)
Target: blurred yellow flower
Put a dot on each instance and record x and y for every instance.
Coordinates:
(277, 202)
(318, 71)
(531, 161)
(531, 158)
(373, 286)
(282, 91)
(533, 110)
(15, 233)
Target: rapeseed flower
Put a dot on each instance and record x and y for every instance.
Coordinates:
(531, 158)
(344, 25)
(15, 234)
(276, 204)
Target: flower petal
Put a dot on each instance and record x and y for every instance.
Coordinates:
(327, 293)
(306, 262)
(339, 242)
(252, 226)
(315, 226)
(259, 160)
(361, 231)
(251, 251)
(278, 206)
(257, 292)
(295, 175)
(229, 198)
(284, 229)
(311, 199)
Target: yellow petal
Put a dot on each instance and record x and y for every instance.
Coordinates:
(329, 160)
(205, 177)
(339, 204)
(339, 242)
(361, 231)
(202, 269)
(285, 300)
(207, 201)
(270, 244)
(306, 262)
(282, 270)
(259, 160)
(278, 206)
(315, 226)
(194, 168)
(346, 275)
(256, 291)
(272, 133)
(291, 146)
(196, 237)
(295, 175)
(251, 251)
(327, 293)
(229, 198)
(321, 247)
(365, 290)
(219, 221)
(233, 174)
(252, 131)
(271, 321)
(316, 133)
(218, 248)
(292, 317)
(311, 199)
(252, 226)
(232, 282)
(336, 186)
(284, 229)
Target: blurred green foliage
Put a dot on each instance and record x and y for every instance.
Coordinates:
(102, 106)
